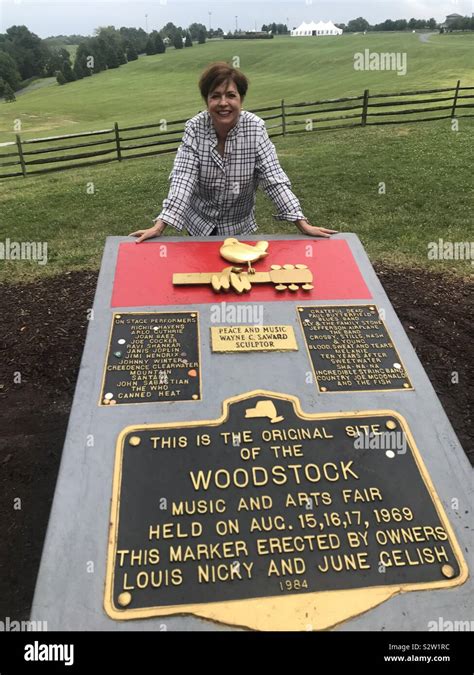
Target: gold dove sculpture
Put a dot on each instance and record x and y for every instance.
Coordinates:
(235, 251)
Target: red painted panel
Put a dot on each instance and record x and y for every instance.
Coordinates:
(143, 275)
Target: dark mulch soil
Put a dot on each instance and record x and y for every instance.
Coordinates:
(42, 333)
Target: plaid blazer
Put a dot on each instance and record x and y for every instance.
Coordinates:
(208, 191)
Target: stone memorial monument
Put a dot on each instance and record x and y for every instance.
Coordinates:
(253, 444)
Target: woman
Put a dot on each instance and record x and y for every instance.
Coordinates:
(224, 156)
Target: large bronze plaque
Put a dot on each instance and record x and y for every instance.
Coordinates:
(270, 502)
(152, 357)
(350, 349)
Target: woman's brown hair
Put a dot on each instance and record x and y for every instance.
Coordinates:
(220, 72)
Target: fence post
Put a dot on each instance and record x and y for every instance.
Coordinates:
(455, 99)
(365, 106)
(283, 118)
(20, 154)
(117, 141)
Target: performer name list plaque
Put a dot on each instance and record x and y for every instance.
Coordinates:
(152, 357)
(350, 349)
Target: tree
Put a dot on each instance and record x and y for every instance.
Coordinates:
(58, 40)
(131, 53)
(56, 58)
(358, 25)
(150, 47)
(188, 42)
(9, 94)
(169, 31)
(68, 72)
(27, 50)
(112, 59)
(177, 40)
(60, 77)
(275, 28)
(201, 37)
(463, 23)
(9, 71)
(84, 62)
(79, 71)
(94, 55)
(174, 34)
(388, 25)
(135, 37)
(155, 44)
(217, 33)
(195, 29)
(400, 24)
(111, 46)
(432, 24)
(160, 46)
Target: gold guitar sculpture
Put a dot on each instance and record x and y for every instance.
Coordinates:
(291, 277)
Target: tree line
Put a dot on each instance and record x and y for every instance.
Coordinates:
(24, 56)
(360, 25)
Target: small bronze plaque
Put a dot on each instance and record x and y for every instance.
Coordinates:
(281, 512)
(350, 349)
(152, 357)
(253, 338)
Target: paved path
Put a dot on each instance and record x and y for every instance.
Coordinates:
(425, 37)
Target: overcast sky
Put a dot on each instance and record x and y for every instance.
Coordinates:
(66, 17)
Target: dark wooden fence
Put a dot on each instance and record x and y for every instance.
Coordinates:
(55, 153)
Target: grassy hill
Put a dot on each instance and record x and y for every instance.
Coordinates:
(297, 69)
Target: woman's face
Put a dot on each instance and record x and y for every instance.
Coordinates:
(224, 105)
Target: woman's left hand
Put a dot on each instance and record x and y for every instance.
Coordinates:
(312, 230)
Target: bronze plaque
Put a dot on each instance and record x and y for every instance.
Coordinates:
(152, 357)
(253, 338)
(267, 515)
(350, 349)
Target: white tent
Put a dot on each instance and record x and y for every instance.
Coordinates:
(320, 28)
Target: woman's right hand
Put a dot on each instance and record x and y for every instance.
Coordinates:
(155, 231)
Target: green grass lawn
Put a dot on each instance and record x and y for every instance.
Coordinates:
(296, 69)
(426, 168)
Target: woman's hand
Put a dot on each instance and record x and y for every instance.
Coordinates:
(155, 231)
(313, 231)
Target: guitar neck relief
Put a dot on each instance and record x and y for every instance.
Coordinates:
(283, 277)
